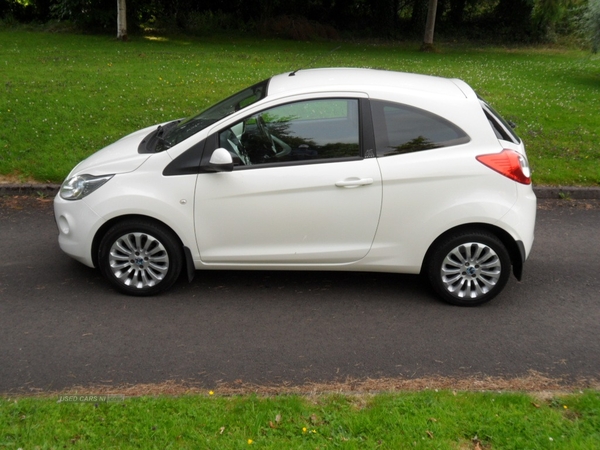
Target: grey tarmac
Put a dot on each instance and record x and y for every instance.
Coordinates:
(61, 325)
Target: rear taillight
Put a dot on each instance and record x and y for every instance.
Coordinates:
(509, 163)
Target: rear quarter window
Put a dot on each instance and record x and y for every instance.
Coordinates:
(502, 129)
(403, 129)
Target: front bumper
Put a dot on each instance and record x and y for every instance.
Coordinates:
(77, 225)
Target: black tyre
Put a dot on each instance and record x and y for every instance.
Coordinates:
(140, 257)
(469, 268)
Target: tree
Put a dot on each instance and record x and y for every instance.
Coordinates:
(430, 26)
(418, 15)
(545, 16)
(87, 14)
(513, 19)
(591, 23)
(385, 16)
(121, 20)
(457, 12)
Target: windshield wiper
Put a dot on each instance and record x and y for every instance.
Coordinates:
(157, 141)
(160, 131)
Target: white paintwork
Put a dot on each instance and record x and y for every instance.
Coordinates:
(120, 157)
(288, 215)
(378, 214)
(220, 156)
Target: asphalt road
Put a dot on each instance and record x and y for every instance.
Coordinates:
(62, 326)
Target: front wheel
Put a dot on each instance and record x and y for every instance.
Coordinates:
(140, 257)
(469, 268)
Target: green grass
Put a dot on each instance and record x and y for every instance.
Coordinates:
(64, 96)
(426, 420)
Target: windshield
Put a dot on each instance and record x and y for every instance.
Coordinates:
(193, 125)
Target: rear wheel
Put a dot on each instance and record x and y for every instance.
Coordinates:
(469, 268)
(140, 257)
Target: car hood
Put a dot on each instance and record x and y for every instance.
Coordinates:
(119, 157)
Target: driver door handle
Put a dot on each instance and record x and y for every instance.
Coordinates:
(354, 182)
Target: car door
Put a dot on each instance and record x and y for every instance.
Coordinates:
(301, 192)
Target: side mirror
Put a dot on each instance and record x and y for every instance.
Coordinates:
(220, 161)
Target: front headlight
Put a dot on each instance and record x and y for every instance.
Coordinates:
(77, 187)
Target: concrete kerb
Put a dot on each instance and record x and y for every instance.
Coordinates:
(567, 192)
(542, 192)
(42, 190)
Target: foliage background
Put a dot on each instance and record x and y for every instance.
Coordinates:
(523, 21)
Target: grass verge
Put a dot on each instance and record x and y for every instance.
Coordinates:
(427, 419)
(64, 96)
(532, 411)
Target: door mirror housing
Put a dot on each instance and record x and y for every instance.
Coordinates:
(220, 161)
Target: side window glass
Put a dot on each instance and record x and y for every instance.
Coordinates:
(404, 129)
(311, 130)
(501, 127)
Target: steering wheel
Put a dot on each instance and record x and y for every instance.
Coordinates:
(262, 127)
(240, 150)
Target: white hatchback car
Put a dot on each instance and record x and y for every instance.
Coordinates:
(322, 169)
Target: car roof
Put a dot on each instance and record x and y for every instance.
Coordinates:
(352, 79)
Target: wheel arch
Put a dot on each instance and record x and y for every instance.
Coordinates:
(110, 223)
(516, 249)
